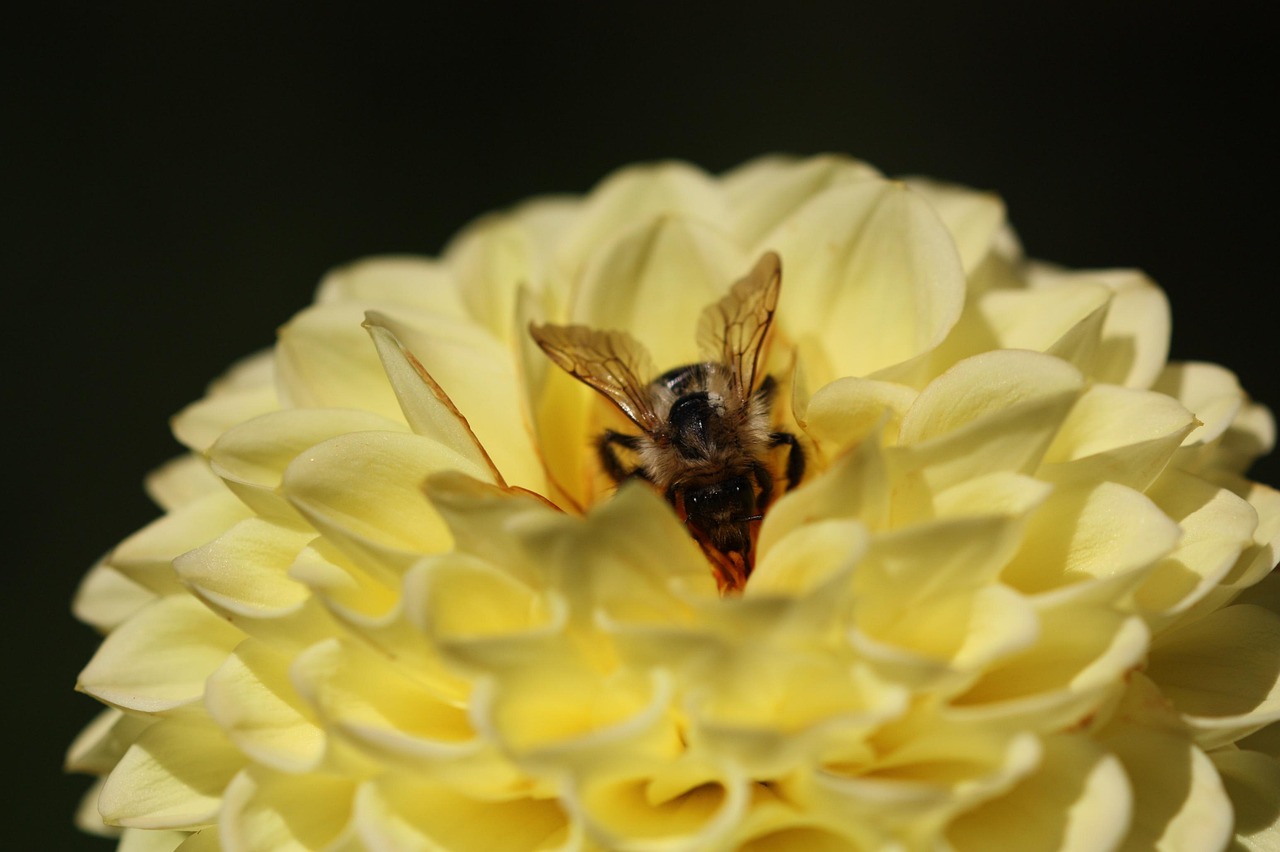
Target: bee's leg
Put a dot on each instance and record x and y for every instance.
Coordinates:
(609, 457)
(765, 480)
(795, 456)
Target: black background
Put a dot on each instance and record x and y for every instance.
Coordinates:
(176, 182)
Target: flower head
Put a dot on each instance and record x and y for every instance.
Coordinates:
(1017, 594)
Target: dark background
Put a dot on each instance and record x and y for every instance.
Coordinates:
(176, 182)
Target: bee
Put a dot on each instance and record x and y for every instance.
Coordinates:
(705, 428)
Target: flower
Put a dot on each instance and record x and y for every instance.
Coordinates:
(1021, 598)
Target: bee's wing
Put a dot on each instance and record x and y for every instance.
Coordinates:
(733, 330)
(612, 362)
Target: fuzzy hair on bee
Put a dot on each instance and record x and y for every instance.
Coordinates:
(706, 437)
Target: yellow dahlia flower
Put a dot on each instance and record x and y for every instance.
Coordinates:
(1021, 597)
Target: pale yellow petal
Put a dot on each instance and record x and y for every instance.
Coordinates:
(99, 746)
(871, 269)
(245, 568)
(1082, 534)
(1211, 392)
(105, 598)
(1178, 799)
(1118, 434)
(1216, 528)
(654, 281)
(1251, 434)
(251, 457)
(634, 195)
(973, 218)
(180, 481)
(844, 412)
(159, 659)
(1251, 780)
(364, 492)
(88, 819)
(326, 360)
(417, 282)
(1077, 800)
(265, 809)
(426, 406)
(172, 777)
(479, 375)
(139, 840)
(767, 190)
(199, 424)
(1222, 672)
(410, 814)
(146, 557)
(252, 699)
(1135, 336)
(994, 412)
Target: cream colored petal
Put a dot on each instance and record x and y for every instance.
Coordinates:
(994, 412)
(1179, 802)
(1077, 800)
(426, 406)
(265, 809)
(636, 194)
(1119, 434)
(1080, 659)
(364, 492)
(146, 557)
(809, 557)
(458, 598)
(326, 360)
(344, 584)
(1213, 393)
(87, 818)
(844, 412)
(915, 788)
(143, 840)
(619, 812)
(105, 598)
(1039, 319)
(172, 777)
(204, 840)
(765, 191)
(491, 259)
(252, 700)
(181, 480)
(1252, 434)
(772, 710)
(405, 813)
(654, 281)
(871, 269)
(1260, 557)
(418, 282)
(1082, 534)
(1135, 336)
(973, 218)
(199, 424)
(99, 746)
(245, 568)
(1251, 780)
(251, 457)
(856, 486)
(1216, 528)
(349, 686)
(159, 659)
(1222, 672)
(559, 715)
(479, 375)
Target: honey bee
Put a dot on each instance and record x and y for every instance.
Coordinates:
(705, 428)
